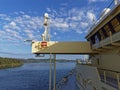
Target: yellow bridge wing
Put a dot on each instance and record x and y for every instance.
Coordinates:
(61, 47)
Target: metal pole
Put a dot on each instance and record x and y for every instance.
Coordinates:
(118, 80)
(54, 71)
(104, 76)
(50, 73)
(110, 36)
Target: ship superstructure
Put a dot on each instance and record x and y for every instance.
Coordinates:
(104, 71)
(102, 46)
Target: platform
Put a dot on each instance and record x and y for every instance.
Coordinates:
(61, 47)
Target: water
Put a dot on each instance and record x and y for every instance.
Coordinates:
(31, 76)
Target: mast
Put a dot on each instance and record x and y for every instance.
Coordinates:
(116, 2)
(46, 35)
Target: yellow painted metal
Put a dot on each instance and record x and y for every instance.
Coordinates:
(62, 48)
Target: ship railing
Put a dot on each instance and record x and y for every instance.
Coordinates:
(102, 16)
(110, 77)
(86, 62)
(108, 41)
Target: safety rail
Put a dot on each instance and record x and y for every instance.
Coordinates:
(108, 41)
(100, 19)
(83, 62)
(110, 77)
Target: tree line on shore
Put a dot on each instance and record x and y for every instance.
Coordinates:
(47, 60)
(10, 63)
(13, 62)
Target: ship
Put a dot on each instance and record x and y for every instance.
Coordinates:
(102, 69)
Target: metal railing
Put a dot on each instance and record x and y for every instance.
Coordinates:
(100, 19)
(109, 40)
(110, 77)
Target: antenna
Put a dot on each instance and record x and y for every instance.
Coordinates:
(46, 35)
(116, 2)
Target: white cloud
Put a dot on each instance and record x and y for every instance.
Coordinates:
(97, 0)
(91, 16)
(83, 24)
(55, 33)
(30, 35)
(20, 27)
(61, 25)
(13, 24)
(48, 10)
(92, 0)
(24, 26)
(77, 19)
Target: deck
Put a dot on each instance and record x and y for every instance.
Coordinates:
(62, 48)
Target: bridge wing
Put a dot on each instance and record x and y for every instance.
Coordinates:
(61, 48)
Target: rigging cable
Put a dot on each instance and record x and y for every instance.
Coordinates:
(108, 6)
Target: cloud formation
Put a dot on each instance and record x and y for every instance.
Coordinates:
(97, 0)
(20, 27)
(77, 19)
(23, 26)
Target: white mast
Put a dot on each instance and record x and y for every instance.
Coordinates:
(46, 35)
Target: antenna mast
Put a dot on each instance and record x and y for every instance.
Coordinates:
(46, 35)
(116, 2)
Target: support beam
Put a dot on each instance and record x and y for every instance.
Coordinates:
(54, 71)
(116, 44)
(50, 73)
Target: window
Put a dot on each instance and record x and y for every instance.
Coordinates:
(107, 29)
(96, 39)
(98, 35)
(101, 34)
(116, 25)
(93, 39)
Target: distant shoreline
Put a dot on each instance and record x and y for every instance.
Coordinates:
(10, 63)
(13, 62)
(46, 61)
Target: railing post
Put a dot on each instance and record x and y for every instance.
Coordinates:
(110, 36)
(104, 76)
(118, 81)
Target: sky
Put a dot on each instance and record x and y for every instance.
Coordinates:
(70, 20)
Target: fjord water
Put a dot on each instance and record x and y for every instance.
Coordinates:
(31, 76)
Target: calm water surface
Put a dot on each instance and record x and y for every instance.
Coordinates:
(31, 76)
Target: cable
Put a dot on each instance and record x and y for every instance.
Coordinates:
(109, 5)
(106, 9)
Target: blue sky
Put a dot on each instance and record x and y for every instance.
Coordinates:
(23, 19)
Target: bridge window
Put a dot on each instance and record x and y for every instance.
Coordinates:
(93, 39)
(98, 35)
(101, 34)
(116, 25)
(96, 39)
(107, 29)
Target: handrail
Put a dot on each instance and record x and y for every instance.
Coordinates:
(109, 70)
(109, 40)
(109, 76)
(100, 19)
